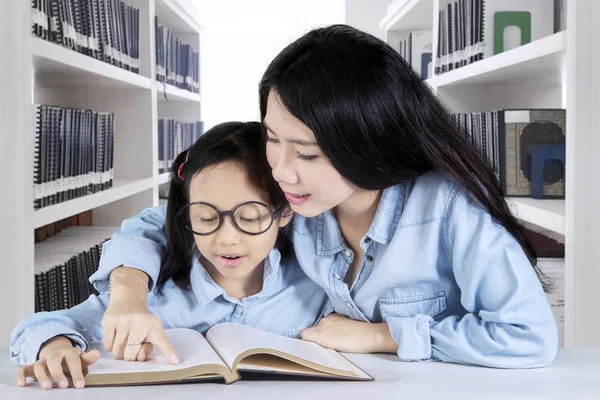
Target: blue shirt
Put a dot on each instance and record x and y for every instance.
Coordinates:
(451, 283)
(287, 303)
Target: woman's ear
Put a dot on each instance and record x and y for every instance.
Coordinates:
(286, 216)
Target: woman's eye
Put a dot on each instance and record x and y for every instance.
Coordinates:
(272, 140)
(208, 220)
(306, 158)
(248, 220)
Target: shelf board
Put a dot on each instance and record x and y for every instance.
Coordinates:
(121, 189)
(174, 15)
(409, 15)
(546, 213)
(57, 66)
(164, 178)
(175, 94)
(541, 60)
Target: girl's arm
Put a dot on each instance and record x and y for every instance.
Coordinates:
(80, 324)
(139, 244)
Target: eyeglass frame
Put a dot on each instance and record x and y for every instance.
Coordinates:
(222, 214)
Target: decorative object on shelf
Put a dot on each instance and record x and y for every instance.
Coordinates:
(175, 137)
(107, 30)
(505, 137)
(535, 18)
(506, 19)
(545, 158)
(64, 264)
(177, 63)
(74, 151)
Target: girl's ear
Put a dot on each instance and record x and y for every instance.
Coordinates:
(286, 216)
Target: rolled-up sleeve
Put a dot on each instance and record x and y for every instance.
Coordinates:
(140, 243)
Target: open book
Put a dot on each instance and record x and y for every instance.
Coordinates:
(227, 350)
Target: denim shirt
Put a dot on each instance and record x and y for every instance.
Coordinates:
(451, 283)
(287, 303)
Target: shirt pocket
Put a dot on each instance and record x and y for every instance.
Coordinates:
(432, 304)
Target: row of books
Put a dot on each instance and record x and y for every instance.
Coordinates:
(175, 137)
(107, 30)
(64, 264)
(416, 50)
(74, 154)
(47, 231)
(506, 137)
(177, 63)
(471, 30)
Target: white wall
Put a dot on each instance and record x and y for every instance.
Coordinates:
(241, 38)
(366, 15)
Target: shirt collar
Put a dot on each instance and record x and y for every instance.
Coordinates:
(389, 210)
(206, 289)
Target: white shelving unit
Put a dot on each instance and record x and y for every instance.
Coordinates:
(41, 72)
(558, 71)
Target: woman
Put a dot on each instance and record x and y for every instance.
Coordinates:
(399, 218)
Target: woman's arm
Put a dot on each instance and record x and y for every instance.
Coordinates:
(509, 324)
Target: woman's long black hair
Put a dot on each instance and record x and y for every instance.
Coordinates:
(376, 120)
(240, 142)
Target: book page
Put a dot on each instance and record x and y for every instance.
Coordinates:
(231, 340)
(191, 346)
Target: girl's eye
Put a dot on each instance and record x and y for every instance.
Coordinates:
(307, 158)
(272, 140)
(208, 220)
(248, 220)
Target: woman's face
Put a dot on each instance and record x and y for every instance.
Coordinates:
(311, 184)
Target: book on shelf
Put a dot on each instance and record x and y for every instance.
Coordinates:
(554, 269)
(74, 154)
(506, 138)
(471, 30)
(416, 49)
(175, 137)
(227, 353)
(64, 264)
(177, 63)
(107, 30)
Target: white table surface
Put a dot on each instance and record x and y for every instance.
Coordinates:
(575, 374)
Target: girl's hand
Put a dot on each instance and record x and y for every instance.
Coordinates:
(57, 357)
(341, 333)
(127, 319)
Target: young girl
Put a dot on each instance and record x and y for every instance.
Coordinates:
(402, 221)
(224, 216)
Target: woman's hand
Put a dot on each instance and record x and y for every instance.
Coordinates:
(343, 334)
(57, 357)
(127, 319)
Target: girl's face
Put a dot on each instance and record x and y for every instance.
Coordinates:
(311, 184)
(233, 254)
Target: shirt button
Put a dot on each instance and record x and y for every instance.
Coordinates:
(348, 253)
(349, 305)
(368, 240)
(337, 276)
(370, 258)
(239, 309)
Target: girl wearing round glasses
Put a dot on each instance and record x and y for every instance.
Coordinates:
(228, 260)
(398, 216)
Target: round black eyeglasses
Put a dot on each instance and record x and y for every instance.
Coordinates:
(251, 217)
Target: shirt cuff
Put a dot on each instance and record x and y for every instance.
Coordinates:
(34, 337)
(412, 336)
(132, 252)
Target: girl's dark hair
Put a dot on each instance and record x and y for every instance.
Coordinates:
(376, 120)
(240, 142)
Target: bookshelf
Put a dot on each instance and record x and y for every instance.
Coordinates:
(41, 72)
(559, 71)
